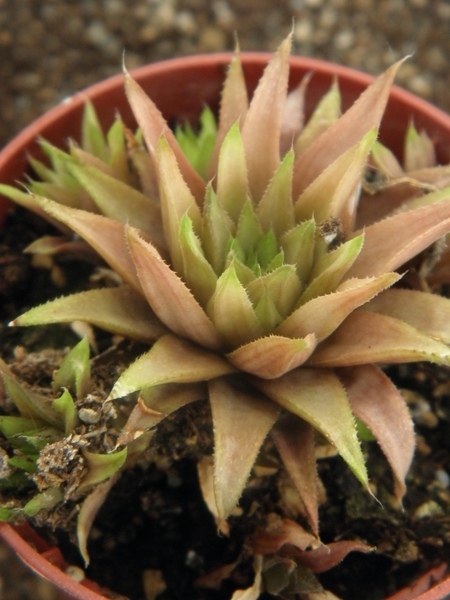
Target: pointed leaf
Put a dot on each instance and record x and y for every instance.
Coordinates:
(376, 401)
(101, 467)
(298, 246)
(43, 501)
(155, 404)
(31, 405)
(282, 285)
(331, 268)
(294, 439)
(66, 407)
(233, 106)
(419, 150)
(322, 315)
(197, 272)
(171, 360)
(176, 200)
(318, 397)
(231, 299)
(171, 300)
(280, 532)
(325, 114)
(327, 556)
(120, 202)
(262, 125)
(429, 313)
(275, 210)
(271, 357)
(153, 126)
(75, 370)
(232, 183)
(364, 115)
(366, 337)
(217, 229)
(249, 232)
(241, 422)
(105, 235)
(92, 138)
(336, 189)
(119, 310)
(386, 161)
(390, 243)
(293, 115)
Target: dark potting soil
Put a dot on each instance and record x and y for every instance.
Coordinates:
(155, 526)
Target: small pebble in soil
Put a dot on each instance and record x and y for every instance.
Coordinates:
(75, 573)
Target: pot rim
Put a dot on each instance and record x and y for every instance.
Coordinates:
(14, 153)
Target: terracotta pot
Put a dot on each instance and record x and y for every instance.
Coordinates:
(181, 87)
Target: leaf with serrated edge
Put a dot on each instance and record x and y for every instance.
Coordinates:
(334, 191)
(233, 106)
(232, 183)
(367, 337)
(176, 200)
(331, 268)
(294, 439)
(105, 235)
(324, 314)
(230, 298)
(29, 404)
(293, 115)
(120, 202)
(298, 246)
(119, 310)
(377, 402)
(262, 125)
(241, 420)
(273, 356)
(275, 210)
(364, 115)
(318, 397)
(327, 112)
(217, 229)
(171, 300)
(171, 360)
(429, 313)
(283, 286)
(390, 243)
(153, 125)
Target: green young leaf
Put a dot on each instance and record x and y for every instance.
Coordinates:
(16, 426)
(217, 229)
(26, 463)
(101, 467)
(74, 373)
(419, 150)
(249, 231)
(283, 287)
(199, 148)
(267, 249)
(66, 407)
(197, 272)
(43, 501)
(298, 247)
(267, 313)
(92, 137)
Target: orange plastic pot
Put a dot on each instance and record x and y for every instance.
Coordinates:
(181, 88)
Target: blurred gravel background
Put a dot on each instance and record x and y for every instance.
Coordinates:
(51, 48)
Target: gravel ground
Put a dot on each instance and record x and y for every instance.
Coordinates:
(51, 48)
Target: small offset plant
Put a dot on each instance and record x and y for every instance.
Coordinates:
(262, 284)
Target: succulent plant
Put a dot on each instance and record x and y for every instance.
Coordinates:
(247, 264)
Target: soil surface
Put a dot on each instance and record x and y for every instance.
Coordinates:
(50, 49)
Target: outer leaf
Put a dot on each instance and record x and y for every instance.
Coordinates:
(366, 337)
(156, 404)
(390, 243)
(230, 298)
(120, 201)
(377, 402)
(171, 360)
(31, 405)
(88, 512)
(364, 115)
(271, 357)
(119, 310)
(293, 115)
(324, 314)
(275, 210)
(262, 125)
(105, 235)
(171, 300)
(319, 398)
(429, 313)
(294, 439)
(325, 114)
(153, 125)
(241, 422)
(233, 106)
